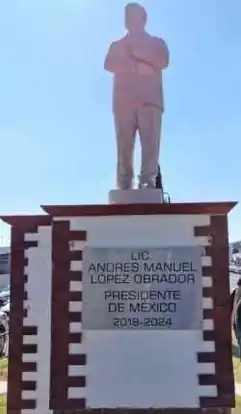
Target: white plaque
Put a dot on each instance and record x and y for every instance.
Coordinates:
(149, 288)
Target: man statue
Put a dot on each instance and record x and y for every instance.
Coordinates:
(137, 61)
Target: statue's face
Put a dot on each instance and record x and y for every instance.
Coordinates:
(134, 18)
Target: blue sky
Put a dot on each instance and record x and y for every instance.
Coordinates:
(56, 129)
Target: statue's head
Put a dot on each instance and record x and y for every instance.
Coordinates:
(135, 17)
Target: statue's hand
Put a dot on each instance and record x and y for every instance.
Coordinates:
(138, 47)
(144, 68)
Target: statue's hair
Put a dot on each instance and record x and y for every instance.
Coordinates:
(139, 7)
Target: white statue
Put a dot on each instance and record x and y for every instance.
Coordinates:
(137, 61)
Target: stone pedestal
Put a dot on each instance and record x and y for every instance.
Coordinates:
(57, 365)
(135, 196)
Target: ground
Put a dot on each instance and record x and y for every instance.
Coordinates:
(237, 369)
(237, 374)
(3, 370)
(3, 409)
(237, 410)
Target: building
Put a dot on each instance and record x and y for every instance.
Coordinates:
(4, 266)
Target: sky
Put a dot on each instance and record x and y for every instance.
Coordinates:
(57, 140)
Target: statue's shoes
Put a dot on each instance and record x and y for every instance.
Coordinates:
(149, 184)
(125, 188)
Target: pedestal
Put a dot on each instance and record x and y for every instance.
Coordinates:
(134, 196)
(119, 308)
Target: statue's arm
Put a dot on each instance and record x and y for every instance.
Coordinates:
(116, 63)
(157, 56)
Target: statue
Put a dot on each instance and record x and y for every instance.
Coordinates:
(137, 61)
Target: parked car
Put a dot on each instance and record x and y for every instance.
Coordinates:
(4, 331)
(6, 308)
(4, 295)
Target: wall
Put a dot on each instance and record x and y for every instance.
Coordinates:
(37, 320)
(143, 369)
(55, 365)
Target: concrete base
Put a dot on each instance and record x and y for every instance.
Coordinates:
(135, 196)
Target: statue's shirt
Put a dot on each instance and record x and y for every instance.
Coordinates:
(136, 81)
